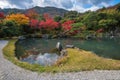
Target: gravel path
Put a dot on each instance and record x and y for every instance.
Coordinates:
(9, 71)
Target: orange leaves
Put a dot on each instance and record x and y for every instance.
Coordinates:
(20, 19)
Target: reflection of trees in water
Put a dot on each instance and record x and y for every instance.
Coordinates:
(102, 47)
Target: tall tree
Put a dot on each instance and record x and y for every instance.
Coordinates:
(32, 14)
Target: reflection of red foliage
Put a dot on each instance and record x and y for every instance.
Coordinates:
(34, 23)
(100, 30)
(1, 15)
(49, 24)
(67, 25)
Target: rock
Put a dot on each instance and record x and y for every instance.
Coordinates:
(77, 48)
(21, 37)
(46, 36)
(59, 46)
(54, 36)
(63, 52)
(111, 37)
(69, 46)
(89, 37)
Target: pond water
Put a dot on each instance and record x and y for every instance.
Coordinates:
(108, 48)
(46, 59)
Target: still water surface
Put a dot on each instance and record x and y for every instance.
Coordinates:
(108, 48)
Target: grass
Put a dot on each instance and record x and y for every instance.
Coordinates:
(76, 60)
(84, 60)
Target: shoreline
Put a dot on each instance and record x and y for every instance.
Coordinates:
(9, 71)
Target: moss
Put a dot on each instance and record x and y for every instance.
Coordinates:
(76, 60)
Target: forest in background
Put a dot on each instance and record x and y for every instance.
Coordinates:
(71, 24)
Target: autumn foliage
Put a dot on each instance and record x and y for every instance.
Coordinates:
(34, 23)
(68, 25)
(2, 15)
(30, 22)
(46, 16)
(20, 19)
(49, 23)
(32, 14)
(71, 23)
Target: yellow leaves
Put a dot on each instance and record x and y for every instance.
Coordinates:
(20, 19)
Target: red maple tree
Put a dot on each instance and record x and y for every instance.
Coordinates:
(2, 15)
(32, 14)
(49, 23)
(67, 25)
(47, 16)
(34, 23)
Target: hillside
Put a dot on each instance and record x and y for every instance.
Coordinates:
(51, 10)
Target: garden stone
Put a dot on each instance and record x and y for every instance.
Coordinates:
(63, 53)
(21, 37)
(70, 46)
(59, 46)
(88, 37)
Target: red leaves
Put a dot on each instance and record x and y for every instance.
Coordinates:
(49, 24)
(100, 30)
(74, 32)
(46, 16)
(67, 25)
(2, 15)
(33, 15)
(34, 23)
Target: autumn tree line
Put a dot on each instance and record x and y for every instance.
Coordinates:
(71, 24)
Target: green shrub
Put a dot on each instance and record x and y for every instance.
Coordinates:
(10, 29)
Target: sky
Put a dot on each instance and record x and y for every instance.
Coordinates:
(78, 5)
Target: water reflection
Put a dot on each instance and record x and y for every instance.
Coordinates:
(109, 48)
(46, 59)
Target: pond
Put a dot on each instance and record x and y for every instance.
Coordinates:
(38, 49)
